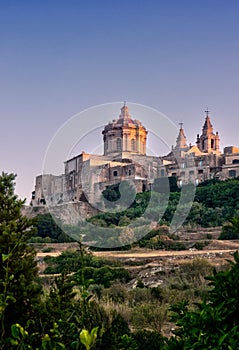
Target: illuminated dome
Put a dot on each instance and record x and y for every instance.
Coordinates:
(124, 135)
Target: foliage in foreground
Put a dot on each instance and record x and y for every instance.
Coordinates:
(67, 316)
(19, 291)
(214, 324)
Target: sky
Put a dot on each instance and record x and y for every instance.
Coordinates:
(60, 57)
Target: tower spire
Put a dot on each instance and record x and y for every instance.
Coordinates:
(124, 112)
(181, 142)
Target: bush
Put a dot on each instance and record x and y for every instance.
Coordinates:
(200, 245)
(148, 340)
(215, 323)
(47, 249)
(230, 229)
(47, 228)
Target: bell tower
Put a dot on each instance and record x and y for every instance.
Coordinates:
(208, 142)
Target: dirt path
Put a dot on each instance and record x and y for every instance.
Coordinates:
(160, 253)
(215, 247)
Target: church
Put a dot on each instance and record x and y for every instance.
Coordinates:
(125, 139)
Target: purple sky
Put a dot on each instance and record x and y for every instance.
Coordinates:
(59, 57)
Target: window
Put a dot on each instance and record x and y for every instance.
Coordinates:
(212, 143)
(200, 171)
(174, 174)
(118, 143)
(182, 173)
(191, 172)
(115, 173)
(235, 161)
(232, 173)
(133, 145)
(129, 172)
(162, 172)
(126, 142)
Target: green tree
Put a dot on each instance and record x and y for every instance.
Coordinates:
(47, 227)
(18, 269)
(230, 229)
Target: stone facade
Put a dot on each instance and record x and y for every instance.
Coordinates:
(230, 166)
(87, 175)
(48, 187)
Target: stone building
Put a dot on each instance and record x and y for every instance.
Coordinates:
(87, 175)
(48, 188)
(230, 166)
(125, 139)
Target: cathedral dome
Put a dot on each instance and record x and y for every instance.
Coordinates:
(124, 134)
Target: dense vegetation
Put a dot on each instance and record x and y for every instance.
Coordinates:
(215, 323)
(214, 203)
(97, 271)
(75, 311)
(48, 230)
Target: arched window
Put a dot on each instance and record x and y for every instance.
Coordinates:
(133, 144)
(125, 145)
(118, 144)
(212, 144)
